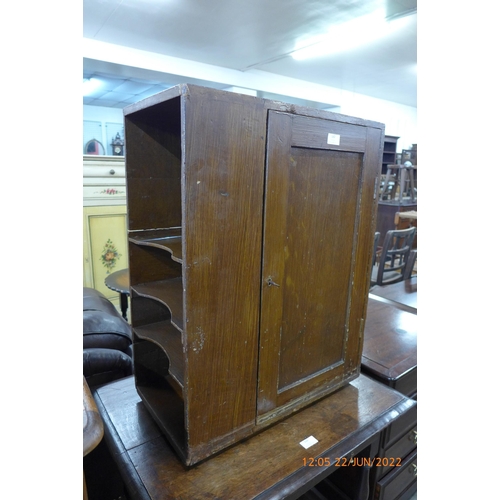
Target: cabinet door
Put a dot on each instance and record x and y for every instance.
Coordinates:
(314, 274)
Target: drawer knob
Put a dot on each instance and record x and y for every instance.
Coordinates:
(413, 436)
(413, 468)
(112, 172)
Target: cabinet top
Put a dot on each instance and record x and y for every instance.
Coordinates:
(185, 91)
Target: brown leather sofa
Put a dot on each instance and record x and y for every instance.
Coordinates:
(107, 340)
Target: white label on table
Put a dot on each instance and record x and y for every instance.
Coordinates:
(308, 442)
(333, 139)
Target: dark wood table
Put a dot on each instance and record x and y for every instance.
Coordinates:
(390, 356)
(390, 346)
(402, 295)
(269, 465)
(387, 211)
(119, 281)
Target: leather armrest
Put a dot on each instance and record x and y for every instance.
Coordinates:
(93, 300)
(104, 365)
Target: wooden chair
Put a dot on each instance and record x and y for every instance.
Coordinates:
(403, 220)
(394, 257)
(398, 183)
(410, 266)
(375, 248)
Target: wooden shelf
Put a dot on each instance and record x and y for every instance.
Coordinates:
(164, 405)
(169, 339)
(389, 152)
(169, 293)
(163, 239)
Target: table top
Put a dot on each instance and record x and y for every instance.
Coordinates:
(118, 281)
(92, 422)
(402, 295)
(390, 345)
(267, 465)
(411, 214)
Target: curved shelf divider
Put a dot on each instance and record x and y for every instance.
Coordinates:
(164, 239)
(169, 293)
(169, 339)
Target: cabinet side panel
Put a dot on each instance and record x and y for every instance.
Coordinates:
(364, 241)
(224, 176)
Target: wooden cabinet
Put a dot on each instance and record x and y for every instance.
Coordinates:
(397, 475)
(105, 247)
(389, 154)
(250, 231)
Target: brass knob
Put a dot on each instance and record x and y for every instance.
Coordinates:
(413, 436)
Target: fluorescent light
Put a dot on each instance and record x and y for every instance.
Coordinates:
(90, 85)
(347, 36)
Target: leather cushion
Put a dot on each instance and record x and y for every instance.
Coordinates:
(101, 329)
(97, 361)
(93, 300)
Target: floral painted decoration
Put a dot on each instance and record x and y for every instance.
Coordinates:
(111, 191)
(110, 256)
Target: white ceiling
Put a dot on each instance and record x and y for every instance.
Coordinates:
(247, 37)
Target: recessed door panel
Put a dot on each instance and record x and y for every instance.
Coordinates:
(311, 225)
(317, 246)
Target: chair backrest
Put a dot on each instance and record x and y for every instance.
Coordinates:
(411, 264)
(394, 256)
(375, 247)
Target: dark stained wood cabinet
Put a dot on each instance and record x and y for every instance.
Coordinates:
(397, 476)
(250, 237)
(389, 154)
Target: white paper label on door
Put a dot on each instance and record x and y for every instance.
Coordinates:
(333, 139)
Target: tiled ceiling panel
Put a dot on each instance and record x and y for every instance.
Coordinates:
(242, 36)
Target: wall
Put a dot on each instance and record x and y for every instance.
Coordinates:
(399, 120)
(102, 124)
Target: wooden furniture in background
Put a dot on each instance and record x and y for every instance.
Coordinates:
(387, 211)
(390, 346)
(93, 429)
(396, 366)
(398, 183)
(402, 295)
(390, 356)
(389, 153)
(394, 257)
(104, 222)
(404, 220)
(92, 423)
(397, 479)
(249, 252)
(270, 465)
(119, 282)
(410, 155)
